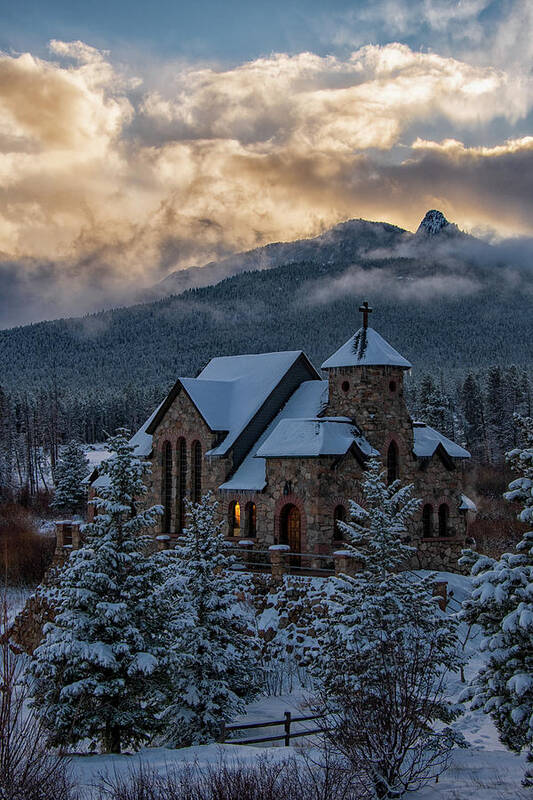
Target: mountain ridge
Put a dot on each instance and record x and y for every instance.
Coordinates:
(433, 300)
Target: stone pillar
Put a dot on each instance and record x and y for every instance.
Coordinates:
(163, 541)
(346, 563)
(279, 561)
(76, 536)
(248, 546)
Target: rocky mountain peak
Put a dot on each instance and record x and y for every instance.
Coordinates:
(433, 223)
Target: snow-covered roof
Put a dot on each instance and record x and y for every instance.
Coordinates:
(142, 443)
(467, 504)
(230, 391)
(213, 399)
(319, 436)
(141, 440)
(307, 400)
(364, 349)
(426, 441)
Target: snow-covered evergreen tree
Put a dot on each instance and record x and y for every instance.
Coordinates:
(99, 671)
(502, 604)
(214, 657)
(434, 406)
(71, 469)
(377, 533)
(386, 651)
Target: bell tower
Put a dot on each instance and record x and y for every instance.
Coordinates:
(365, 378)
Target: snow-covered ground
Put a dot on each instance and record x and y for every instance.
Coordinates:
(474, 774)
(15, 597)
(483, 771)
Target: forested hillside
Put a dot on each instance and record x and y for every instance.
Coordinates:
(449, 314)
(296, 306)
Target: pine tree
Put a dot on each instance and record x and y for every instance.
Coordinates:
(502, 604)
(71, 469)
(435, 407)
(386, 651)
(213, 654)
(471, 400)
(99, 670)
(377, 533)
(495, 404)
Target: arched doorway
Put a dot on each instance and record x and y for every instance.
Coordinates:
(291, 531)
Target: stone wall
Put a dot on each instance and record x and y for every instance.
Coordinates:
(27, 630)
(183, 420)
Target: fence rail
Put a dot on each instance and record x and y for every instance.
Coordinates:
(286, 736)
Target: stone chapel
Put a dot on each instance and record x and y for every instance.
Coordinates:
(283, 449)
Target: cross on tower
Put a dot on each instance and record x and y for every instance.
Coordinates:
(365, 308)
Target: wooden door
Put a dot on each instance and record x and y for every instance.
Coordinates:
(291, 532)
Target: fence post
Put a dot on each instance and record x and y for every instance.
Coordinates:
(287, 728)
(222, 735)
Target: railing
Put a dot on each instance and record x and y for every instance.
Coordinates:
(286, 736)
(280, 560)
(293, 563)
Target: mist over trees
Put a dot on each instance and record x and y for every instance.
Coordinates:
(472, 356)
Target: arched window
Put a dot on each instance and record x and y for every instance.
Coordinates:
(181, 483)
(444, 513)
(392, 463)
(166, 486)
(196, 471)
(339, 515)
(250, 523)
(235, 519)
(427, 520)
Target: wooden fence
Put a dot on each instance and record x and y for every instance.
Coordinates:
(286, 736)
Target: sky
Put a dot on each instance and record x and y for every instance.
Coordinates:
(141, 138)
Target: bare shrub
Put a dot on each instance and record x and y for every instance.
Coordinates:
(24, 553)
(28, 770)
(297, 778)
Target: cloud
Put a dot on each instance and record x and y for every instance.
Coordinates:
(483, 32)
(360, 282)
(108, 184)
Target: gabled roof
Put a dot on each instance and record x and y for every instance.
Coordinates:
(427, 440)
(307, 438)
(230, 391)
(364, 349)
(308, 400)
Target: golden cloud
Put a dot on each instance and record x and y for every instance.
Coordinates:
(110, 182)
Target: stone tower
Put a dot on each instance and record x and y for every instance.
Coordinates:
(366, 384)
